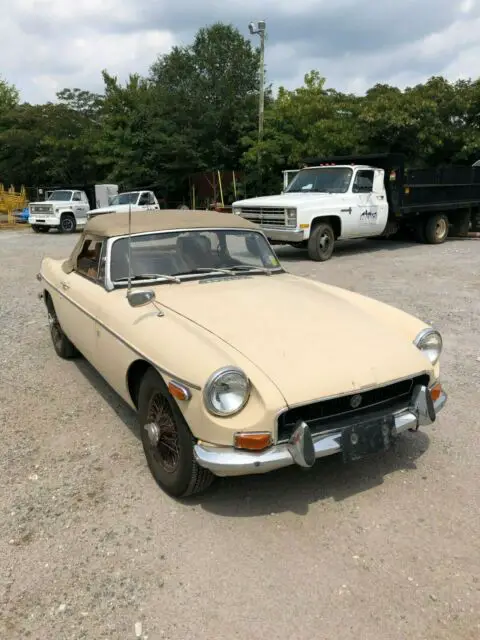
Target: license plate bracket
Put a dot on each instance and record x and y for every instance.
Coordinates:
(367, 437)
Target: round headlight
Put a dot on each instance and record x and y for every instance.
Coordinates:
(430, 342)
(226, 391)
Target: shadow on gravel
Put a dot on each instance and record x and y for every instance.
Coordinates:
(292, 489)
(345, 248)
(121, 408)
(356, 247)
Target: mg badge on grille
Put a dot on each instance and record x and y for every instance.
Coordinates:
(355, 401)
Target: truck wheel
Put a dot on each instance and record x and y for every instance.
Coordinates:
(167, 441)
(67, 223)
(62, 345)
(40, 229)
(436, 229)
(321, 243)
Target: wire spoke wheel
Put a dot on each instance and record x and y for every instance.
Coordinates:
(165, 444)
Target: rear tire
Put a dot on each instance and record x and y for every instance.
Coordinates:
(169, 452)
(67, 224)
(64, 348)
(436, 229)
(321, 243)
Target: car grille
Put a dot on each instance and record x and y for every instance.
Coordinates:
(326, 415)
(268, 216)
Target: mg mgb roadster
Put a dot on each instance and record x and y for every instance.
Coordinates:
(234, 365)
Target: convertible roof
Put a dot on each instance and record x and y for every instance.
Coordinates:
(108, 225)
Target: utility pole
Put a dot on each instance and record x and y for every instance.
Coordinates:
(259, 28)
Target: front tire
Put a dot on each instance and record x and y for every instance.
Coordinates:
(321, 243)
(67, 224)
(167, 441)
(436, 229)
(40, 229)
(64, 348)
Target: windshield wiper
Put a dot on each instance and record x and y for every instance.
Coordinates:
(229, 271)
(149, 276)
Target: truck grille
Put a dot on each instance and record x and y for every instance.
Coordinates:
(268, 216)
(41, 208)
(330, 414)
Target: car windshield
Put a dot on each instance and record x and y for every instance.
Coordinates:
(64, 196)
(181, 255)
(321, 180)
(125, 198)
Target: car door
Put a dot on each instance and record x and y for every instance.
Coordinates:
(369, 212)
(80, 295)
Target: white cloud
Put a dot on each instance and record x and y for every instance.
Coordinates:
(50, 44)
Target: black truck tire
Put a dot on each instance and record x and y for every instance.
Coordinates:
(321, 242)
(68, 223)
(436, 229)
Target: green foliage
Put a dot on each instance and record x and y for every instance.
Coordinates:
(9, 96)
(197, 110)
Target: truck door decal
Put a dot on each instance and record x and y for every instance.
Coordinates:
(368, 217)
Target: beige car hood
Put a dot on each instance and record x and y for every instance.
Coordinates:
(311, 341)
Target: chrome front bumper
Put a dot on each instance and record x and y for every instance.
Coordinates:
(283, 235)
(303, 448)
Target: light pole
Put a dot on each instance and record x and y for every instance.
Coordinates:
(259, 28)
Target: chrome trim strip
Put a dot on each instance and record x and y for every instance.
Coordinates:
(227, 461)
(192, 385)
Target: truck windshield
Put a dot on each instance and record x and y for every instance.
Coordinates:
(63, 196)
(125, 198)
(321, 180)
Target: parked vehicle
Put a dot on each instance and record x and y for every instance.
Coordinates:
(364, 197)
(64, 209)
(134, 200)
(193, 321)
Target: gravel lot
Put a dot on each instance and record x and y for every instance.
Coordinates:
(384, 549)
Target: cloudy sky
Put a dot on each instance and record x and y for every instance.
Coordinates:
(46, 45)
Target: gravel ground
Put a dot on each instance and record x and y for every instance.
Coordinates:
(387, 548)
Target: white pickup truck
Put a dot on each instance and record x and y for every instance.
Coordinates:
(64, 209)
(136, 200)
(330, 201)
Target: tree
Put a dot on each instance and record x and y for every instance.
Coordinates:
(209, 92)
(308, 121)
(9, 96)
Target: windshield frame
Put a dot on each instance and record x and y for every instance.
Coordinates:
(111, 285)
(71, 192)
(325, 168)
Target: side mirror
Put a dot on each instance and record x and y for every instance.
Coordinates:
(140, 298)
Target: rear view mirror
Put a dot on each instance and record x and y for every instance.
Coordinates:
(140, 298)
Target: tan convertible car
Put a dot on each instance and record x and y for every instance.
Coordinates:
(234, 365)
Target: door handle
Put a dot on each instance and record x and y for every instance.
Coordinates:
(64, 285)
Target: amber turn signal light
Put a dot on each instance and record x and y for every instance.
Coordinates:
(436, 392)
(252, 441)
(178, 391)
